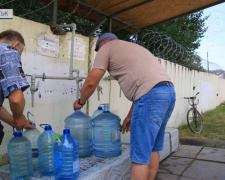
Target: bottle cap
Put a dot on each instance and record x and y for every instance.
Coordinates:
(66, 131)
(48, 128)
(33, 124)
(100, 107)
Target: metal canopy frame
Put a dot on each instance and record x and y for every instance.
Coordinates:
(134, 14)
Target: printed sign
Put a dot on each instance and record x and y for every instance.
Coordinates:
(79, 49)
(6, 14)
(48, 45)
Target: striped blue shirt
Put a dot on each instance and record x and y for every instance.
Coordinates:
(12, 76)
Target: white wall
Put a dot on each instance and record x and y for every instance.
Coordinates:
(57, 96)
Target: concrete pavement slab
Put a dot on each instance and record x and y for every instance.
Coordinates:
(165, 176)
(206, 170)
(212, 154)
(174, 165)
(193, 163)
(187, 151)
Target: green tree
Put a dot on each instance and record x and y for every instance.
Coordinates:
(186, 30)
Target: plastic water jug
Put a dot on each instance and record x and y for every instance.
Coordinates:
(33, 135)
(80, 126)
(107, 140)
(20, 157)
(97, 112)
(66, 157)
(46, 142)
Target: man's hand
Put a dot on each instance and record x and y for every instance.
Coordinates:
(76, 105)
(89, 87)
(22, 122)
(126, 125)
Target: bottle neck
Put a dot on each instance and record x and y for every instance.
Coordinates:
(106, 108)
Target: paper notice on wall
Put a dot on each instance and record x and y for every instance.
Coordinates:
(48, 45)
(79, 49)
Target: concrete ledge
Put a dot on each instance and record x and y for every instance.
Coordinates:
(92, 168)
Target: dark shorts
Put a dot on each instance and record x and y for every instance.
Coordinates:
(1, 133)
(150, 115)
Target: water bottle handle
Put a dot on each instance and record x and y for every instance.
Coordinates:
(115, 136)
(18, 130)
(41, 125)
(28, 115)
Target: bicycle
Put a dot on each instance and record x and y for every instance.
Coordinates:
(194, 118)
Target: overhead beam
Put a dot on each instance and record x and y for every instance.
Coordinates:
(135, 14)
(106, 15)
(129, 8)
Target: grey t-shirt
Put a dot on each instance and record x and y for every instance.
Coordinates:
(135, 68)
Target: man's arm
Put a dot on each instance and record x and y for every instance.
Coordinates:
(89, 87)
(6, 117)
(17, 104)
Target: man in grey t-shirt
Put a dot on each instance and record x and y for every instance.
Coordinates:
(144, 82)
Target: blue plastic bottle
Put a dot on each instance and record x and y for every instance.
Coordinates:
(33, 135)
(107, 140)
(66, 157)
(46, 142)
(97, 112)
(20, 157)
(80, 126)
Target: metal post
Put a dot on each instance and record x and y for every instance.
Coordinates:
(53, 14)
(207, 62)
(110, 24)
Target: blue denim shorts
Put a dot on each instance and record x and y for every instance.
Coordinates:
(151, 113)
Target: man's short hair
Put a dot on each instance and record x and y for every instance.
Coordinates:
(11, 35)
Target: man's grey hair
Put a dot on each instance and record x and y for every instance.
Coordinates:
(13, 36)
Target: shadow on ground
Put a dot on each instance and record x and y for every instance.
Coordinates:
(203, 142)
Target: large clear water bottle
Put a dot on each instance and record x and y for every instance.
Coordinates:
(20, 157)
(46, 142)
(33, 135)
(107, 139)
(66, 157)
(97, 112)
(80, 126)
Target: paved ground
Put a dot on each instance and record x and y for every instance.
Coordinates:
(193, 162)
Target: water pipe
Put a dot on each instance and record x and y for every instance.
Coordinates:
(73, 26)
(43, 77)
(99, 89)
(71, 69)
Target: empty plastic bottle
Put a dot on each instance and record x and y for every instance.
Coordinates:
(46, 142)
(66, 157)
(80, 126)
(20, 157)
(107, 140)
(97, 112)
(33, 135)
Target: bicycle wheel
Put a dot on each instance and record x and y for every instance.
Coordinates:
(194, 120)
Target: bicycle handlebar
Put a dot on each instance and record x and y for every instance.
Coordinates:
(193, 97)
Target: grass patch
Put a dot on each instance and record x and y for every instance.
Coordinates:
(213, 126)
